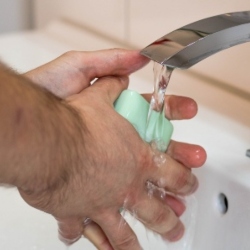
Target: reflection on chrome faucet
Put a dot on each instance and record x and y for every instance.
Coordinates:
(194, 42)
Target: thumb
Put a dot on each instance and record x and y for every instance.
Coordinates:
(110, 87)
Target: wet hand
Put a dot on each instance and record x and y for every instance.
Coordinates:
(70, 74)
(112, 172)
(188, 155)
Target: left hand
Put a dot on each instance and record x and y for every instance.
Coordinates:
(73, 71)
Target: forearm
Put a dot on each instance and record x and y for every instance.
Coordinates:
(38, 132)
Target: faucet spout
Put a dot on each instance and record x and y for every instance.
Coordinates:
(194, 42)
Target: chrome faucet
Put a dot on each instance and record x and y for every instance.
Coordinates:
(194, 42)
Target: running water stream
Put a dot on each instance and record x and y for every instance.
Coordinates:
(162, 76)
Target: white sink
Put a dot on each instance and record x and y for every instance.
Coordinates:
(222, 127)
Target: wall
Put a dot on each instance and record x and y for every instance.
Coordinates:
(144, 20)
(140, 22)
(106, 17)
(15, 15)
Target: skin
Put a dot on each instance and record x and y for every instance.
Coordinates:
(80, 159)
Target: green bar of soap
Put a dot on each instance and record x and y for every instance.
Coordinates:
(132, 106)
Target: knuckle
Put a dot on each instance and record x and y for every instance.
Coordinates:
(183, 182)
(117, 55)
(70, 53)
(175, 233)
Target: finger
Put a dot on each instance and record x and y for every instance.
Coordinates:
(190, 155)
(70, 230)
(119, 233)
(172, 175)
(158, 217)
(109, 87)
(116, 62)
(178, 107)
(175, 203)
(95, 234)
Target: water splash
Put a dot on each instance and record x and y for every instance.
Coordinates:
(162, 76)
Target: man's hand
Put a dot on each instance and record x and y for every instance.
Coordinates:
(189, 155)
(111, 172)
(70, 74)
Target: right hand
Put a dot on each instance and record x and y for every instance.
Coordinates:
(112, 170)
(113, 166)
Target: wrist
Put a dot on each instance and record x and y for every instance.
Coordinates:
(41, 135)
(64, 146)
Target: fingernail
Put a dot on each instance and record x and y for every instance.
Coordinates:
(123, 79)
(176, 233)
